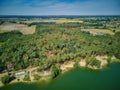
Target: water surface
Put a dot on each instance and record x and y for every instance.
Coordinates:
(82, 79)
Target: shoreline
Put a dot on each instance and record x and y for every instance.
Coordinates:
(66, 67)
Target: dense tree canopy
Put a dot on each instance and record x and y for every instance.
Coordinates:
(53, 43)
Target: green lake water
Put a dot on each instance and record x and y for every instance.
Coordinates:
(82, 79)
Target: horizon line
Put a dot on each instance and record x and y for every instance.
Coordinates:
(61, 15)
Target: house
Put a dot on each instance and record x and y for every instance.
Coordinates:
(20, 75)
(50, 53)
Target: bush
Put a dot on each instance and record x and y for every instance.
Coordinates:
(5, 79)
(55, 70)
(37, 77)
(76, 65)
(109, 59)
(26, 78)
(94, 62)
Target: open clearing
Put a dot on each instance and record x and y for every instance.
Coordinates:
(98, 31)
(20, 27)
(55, 20)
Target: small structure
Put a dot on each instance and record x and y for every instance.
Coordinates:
(20, 75)
(96, 33)
(50, 53)
(10, 67)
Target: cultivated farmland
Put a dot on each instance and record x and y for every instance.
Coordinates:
(25, 29)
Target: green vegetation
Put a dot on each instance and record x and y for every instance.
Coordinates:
(5, 79)
(76, 65)
(93, 62)
(109, 59)
(9, 35)
(26, 78)
(55, 70)
(37, 77)
(54, 43)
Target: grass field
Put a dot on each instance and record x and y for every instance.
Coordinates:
(115, 29)
(63, 20)
(20, 27)
(99, 31)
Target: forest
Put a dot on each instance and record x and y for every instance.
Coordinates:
(54, 43)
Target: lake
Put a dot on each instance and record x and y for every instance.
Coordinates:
(82, 79)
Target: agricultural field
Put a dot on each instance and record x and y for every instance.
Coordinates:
(61, 20)
(25, 29)
(99, 31)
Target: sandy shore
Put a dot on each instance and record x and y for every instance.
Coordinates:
(69, 64)
(64, 67)
(82, 63)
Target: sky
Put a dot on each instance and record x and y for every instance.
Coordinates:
(59, 7)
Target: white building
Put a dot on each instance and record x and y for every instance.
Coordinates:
(20, 75)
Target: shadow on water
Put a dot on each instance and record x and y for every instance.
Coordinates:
(80, 79)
